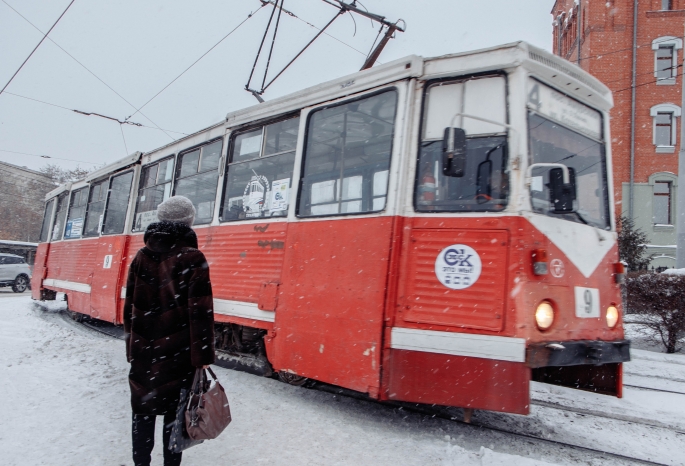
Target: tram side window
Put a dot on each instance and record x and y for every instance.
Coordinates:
(347, 157)
(485, 184)
(60, 216)
(46, 220)
(155, 188)
(117, 204)
(95, 208)
(77, 212)
(259, 175)
(197, 176)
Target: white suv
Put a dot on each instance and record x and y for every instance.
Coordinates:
(14, 272)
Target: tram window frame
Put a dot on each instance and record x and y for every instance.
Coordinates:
(280, 159)
(499, 139)
(78, 201)
(107, 211)
(45, 228)
(87, 233)
(137, 226)
(179, 178)
(62, 206)
(304, 198)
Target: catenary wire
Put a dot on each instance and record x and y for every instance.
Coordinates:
(48, 157)
(86, 113)
(195, 62)
(36, 47)
(85, 68)
(121, 127)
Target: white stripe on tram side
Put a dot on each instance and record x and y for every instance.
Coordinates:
(241, 309)
(459, 344)
(67, 285)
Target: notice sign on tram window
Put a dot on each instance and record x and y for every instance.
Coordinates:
(565, 110)
(74, 228)
(458, 266)
(279, 194)
(143, 219)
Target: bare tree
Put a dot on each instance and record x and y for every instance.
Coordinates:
(62, 175)
(658, 300)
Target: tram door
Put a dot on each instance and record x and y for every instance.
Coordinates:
(329, 317)
(108, 274)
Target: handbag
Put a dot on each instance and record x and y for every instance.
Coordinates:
(179, 439)
(207, 413)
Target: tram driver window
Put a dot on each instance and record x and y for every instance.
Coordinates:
(259, 175)
(196, 178)
(155, 188)
(117, 204)
(95, 208)
(77, 212)
(485, 184)
(60, 217)
(347, 157)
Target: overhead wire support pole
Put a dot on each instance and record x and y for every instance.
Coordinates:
(36, 47)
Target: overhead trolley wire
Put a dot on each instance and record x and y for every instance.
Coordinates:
(36, 47)
(91, 113)
(48, 157)
(88, 70)
(195, 62)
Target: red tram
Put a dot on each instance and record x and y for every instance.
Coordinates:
(430, 230)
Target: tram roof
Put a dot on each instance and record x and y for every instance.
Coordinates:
(547, 66)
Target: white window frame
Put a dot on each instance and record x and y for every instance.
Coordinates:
(667, 41)
(672, 179)
(675, 112)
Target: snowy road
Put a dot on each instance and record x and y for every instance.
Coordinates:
(66, 403)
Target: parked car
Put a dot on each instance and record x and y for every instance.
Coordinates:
(14, 272)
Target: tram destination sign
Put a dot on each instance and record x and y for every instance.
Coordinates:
(562, 109)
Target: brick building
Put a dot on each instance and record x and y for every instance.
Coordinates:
(612, 36)
(22, 200)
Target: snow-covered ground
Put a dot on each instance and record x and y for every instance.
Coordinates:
(66, 402)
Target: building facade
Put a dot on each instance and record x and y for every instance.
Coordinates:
(636, 48)
(22, 201)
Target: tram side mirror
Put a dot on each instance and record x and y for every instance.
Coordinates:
(454, 152)
(562, 194)
(483, 182)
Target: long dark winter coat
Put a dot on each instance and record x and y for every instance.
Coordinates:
(168, 317)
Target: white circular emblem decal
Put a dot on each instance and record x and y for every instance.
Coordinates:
(458, 266)
(557, 268)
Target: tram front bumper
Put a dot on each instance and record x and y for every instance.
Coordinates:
(590, 365)
(577, 353)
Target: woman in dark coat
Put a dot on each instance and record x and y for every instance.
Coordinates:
(169, 323)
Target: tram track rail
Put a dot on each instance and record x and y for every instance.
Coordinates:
(450, 414)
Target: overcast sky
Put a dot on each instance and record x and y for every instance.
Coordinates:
(138, 47)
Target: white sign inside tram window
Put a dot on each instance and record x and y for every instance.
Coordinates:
(558, 107)
(143, 219)
(279, 194)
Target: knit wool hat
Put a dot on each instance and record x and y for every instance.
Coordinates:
(177, 209)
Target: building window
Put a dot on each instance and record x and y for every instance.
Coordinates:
(664, 62)
(666, 59)
(665, 127)
(666, 4)
(661, 203)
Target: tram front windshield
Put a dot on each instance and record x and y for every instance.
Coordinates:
(575, 143)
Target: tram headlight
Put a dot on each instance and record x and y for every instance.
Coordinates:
(544, 315)
(612, 316)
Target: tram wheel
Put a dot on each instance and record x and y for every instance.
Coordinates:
(77, 316)
(292, 379)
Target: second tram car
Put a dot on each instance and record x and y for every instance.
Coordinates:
(434, 230)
